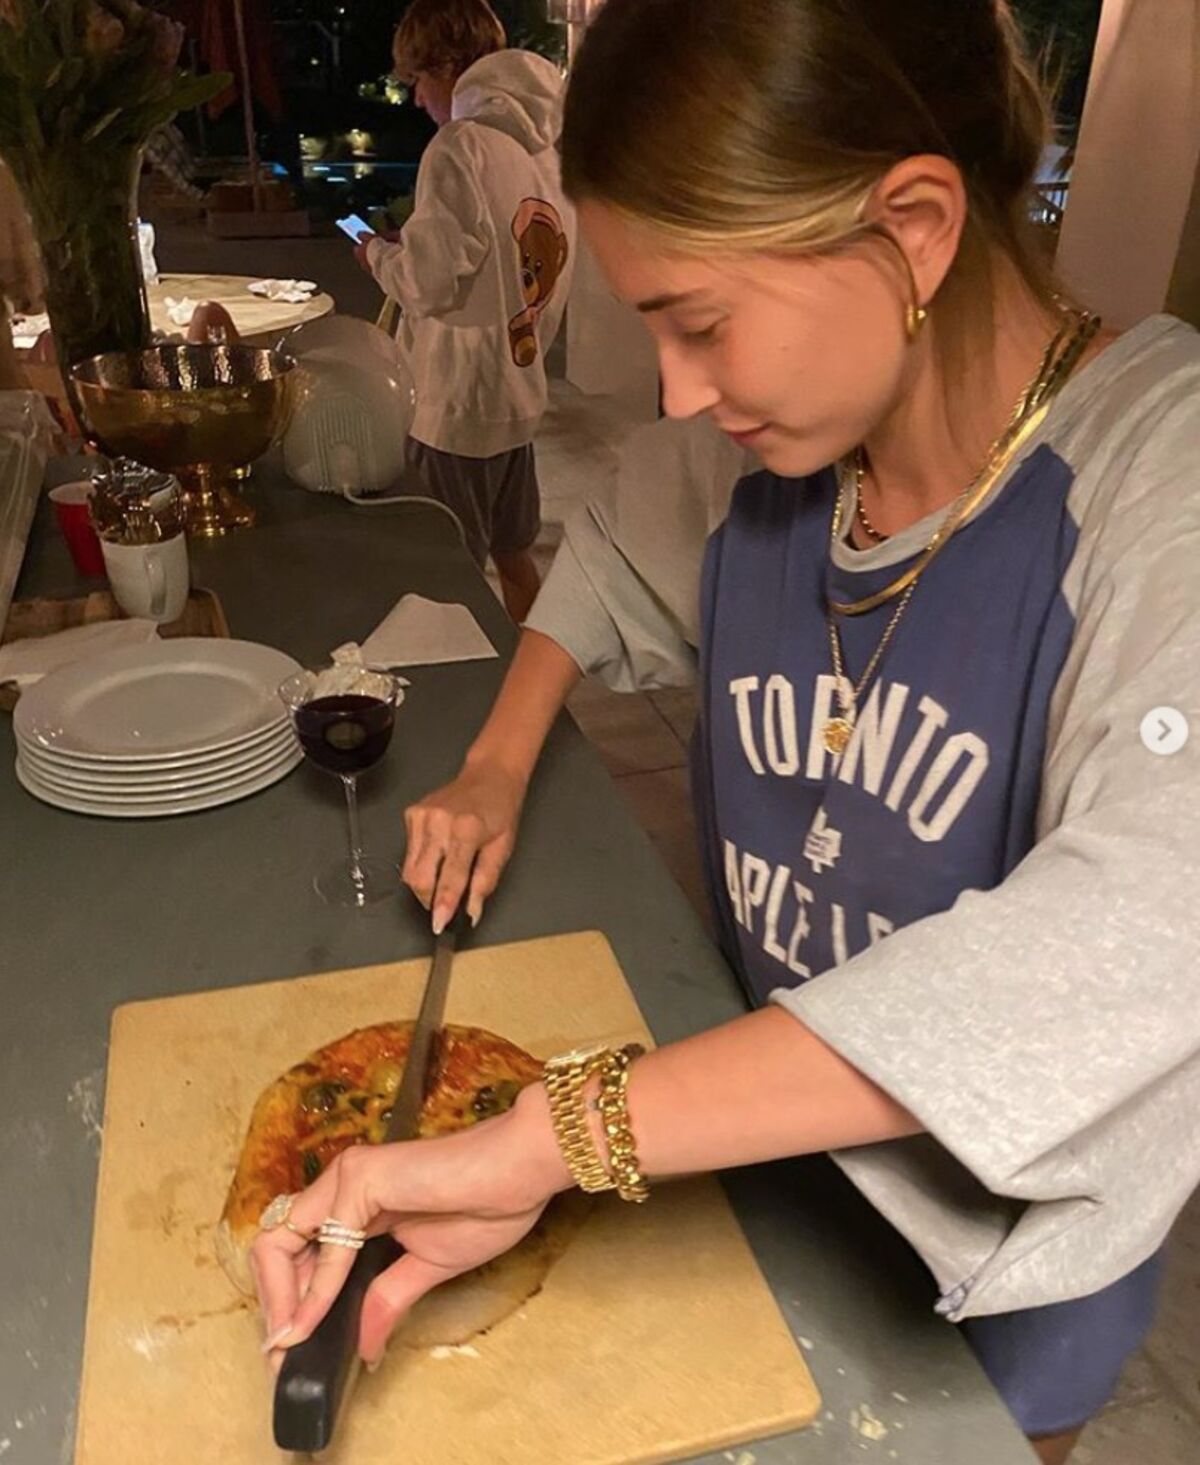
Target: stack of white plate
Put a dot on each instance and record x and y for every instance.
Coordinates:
(167, 728)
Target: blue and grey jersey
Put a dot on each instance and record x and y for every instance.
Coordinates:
(995, 886)
(813, 858)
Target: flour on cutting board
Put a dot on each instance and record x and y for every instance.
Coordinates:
(85, 1098)
(149, 1342)
(454, 1350)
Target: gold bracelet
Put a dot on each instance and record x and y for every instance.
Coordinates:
(564, 1078)
(614, 1110)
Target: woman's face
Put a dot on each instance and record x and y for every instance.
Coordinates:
(798, 359)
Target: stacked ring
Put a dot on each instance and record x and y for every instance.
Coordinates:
(336, 1233)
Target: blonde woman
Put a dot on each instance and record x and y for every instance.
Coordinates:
(958, 889)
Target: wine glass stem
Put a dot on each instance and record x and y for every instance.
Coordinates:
(350, 783)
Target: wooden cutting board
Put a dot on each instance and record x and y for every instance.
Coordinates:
(654, 1338)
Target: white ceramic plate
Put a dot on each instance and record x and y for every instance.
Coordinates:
(170, 699)
(152, 797)
(159, 767)
(89, 782)
(206, 799)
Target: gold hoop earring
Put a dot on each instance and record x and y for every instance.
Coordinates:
(915, 314)
(914, 321)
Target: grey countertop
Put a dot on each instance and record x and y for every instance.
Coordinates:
(97, 912)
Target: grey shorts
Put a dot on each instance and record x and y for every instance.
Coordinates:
(496, 499)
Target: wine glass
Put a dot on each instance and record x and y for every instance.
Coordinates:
(344, 717)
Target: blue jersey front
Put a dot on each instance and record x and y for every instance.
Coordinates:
(811, 858)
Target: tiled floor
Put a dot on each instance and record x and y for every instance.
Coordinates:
(1155, 1417)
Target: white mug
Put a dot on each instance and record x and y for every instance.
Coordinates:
(149, 580)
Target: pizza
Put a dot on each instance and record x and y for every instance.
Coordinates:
(342, 1095)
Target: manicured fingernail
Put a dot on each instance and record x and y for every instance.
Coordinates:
(475, 918)
(372, 1364)
(276, 1338)
(439, 922)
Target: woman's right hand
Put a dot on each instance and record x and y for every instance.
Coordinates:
(471, 821)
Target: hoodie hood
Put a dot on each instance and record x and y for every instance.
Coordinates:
(516, 92)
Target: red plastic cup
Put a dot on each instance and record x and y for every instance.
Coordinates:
(70, 502)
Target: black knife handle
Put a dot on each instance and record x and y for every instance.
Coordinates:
(312, 1385)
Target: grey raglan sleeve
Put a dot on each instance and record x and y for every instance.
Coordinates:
(623, 595)
(1047, 1033)
(603, 612)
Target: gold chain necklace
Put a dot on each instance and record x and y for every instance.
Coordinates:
(1060, 359)
(868, 528)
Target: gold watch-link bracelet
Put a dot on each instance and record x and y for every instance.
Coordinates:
(565, 1078)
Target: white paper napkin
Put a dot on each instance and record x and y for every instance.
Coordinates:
(420, 632)
(26, 662)
(293, 291)
(27, 328)
(181, 311)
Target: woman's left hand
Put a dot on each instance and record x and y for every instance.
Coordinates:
(452, 1203)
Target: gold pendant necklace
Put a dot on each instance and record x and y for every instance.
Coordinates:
(838, 731)
(1060, 359)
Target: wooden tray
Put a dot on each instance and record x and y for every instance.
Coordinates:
(654, 1338)
(203, 615)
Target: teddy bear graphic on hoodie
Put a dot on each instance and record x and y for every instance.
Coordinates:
(543, 249)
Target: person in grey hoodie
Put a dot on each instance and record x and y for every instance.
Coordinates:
(481, 271)
(947, 648)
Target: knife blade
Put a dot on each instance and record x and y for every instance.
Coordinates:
(318, 1375)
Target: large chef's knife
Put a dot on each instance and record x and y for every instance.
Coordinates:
(318, 1375)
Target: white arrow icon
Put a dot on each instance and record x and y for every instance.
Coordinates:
(1165, 731)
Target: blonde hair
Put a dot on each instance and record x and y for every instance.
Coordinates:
(445, 37)
(765, 125)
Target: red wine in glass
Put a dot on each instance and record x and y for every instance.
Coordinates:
(346, 733)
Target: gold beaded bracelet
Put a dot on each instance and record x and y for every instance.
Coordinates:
(614, 1110)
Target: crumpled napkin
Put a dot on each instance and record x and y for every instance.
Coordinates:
(28, 661)
(293, 291)
(27, 328)
(180, 312)
(421, 632)
(350, 673)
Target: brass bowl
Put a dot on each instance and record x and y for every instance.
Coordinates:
(201, 412)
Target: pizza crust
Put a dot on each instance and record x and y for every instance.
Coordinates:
(458, 1311)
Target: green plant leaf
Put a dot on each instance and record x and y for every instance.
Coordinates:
(191, 91)
(97, 128)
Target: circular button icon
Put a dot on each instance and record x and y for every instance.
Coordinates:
(1165, 731)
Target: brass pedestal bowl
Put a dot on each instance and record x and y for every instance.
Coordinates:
(200, 412)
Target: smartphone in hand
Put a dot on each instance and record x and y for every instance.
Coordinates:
(355, 227)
